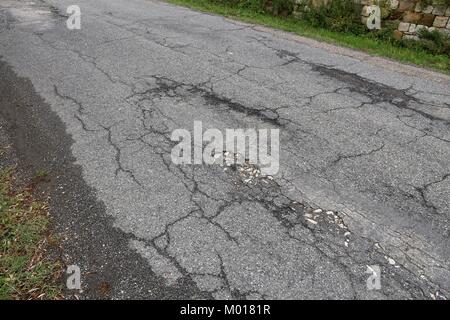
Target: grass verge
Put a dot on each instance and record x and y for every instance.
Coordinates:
(367, 44)
(26, 272)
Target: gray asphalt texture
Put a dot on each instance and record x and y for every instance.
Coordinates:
(363, 137)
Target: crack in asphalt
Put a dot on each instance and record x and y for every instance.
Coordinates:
(352, 156)
(424, 189)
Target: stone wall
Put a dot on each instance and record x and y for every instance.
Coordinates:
(417, 16)
(413, 16)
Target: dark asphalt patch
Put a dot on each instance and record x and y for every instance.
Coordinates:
(377, 91)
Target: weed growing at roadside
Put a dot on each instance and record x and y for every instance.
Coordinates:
(25, 271)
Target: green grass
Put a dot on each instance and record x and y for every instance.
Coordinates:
(367, 44)
(25, 271)
(40, 174)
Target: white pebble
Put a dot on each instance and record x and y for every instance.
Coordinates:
(311, 221)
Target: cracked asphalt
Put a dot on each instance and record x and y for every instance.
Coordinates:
(364, 173)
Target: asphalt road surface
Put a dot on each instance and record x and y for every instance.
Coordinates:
(365, 139)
